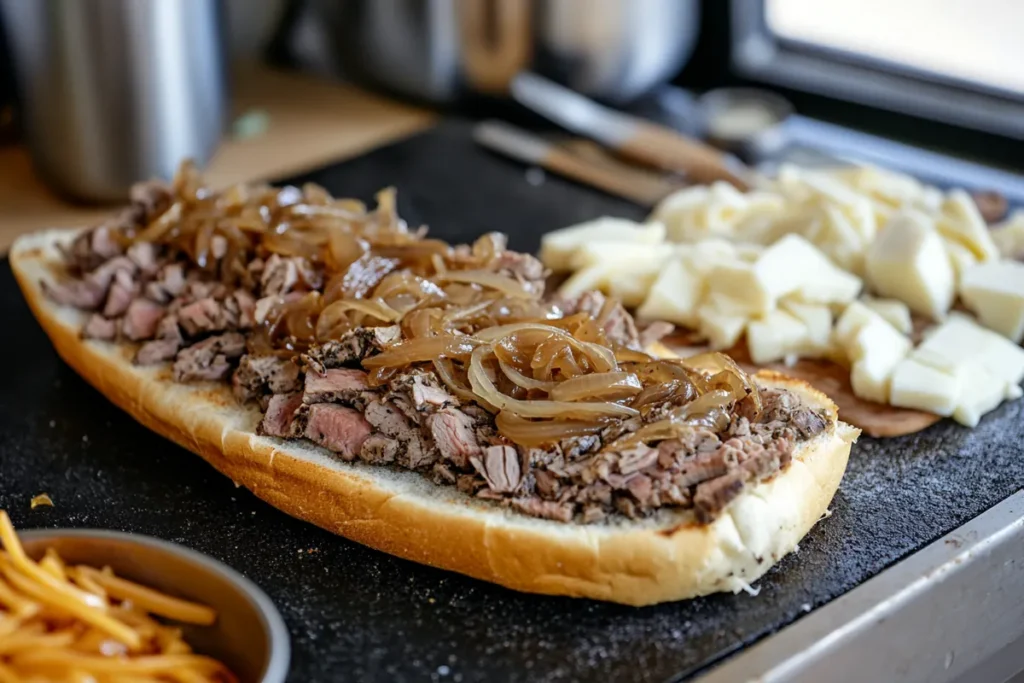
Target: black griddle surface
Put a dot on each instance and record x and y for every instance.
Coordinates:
(357, 614)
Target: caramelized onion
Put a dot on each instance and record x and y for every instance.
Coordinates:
(486, 278)
(519, 379)
(421, 350)
(484, 388)
(540, 432)
(608, 386)
(446, 371)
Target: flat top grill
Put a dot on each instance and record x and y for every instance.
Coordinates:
(357, 614)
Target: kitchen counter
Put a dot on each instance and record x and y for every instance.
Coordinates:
(311, 123)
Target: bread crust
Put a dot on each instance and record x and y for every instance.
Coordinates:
(668, 557)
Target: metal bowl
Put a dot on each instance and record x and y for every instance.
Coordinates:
(746, 121)
(249, 635)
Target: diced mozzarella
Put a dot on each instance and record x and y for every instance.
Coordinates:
(559, 247)
(701, 257)
(922, 387)
(875, 349)
(960, 342)
(722, 330)
(795, 266)
(980, 392)
(631, 288)
(741, 286)
(622, 256)
(775, 336)
(961, 222)
(592, 277)
(674, 296)
(908, 262)
(995, 292)
(1009, 236)
(960, 258)
(895, 312)
(854, 317)
(818, 319)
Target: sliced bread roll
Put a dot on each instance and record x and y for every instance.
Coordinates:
(669, 556)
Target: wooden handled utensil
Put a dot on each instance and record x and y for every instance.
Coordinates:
(630, 136)
(591, 168)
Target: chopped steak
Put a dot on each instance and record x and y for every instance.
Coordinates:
(144, 255)
(166, 345)
(82, 294)
(141, 319)
(280, 413)
(655, 332)
(257, 376)
(337, 428)
(170, 282)
(99, 327)
(618, 324)
(204, 316)
(712, 496)
(121, 293)
(209, 359)
(353, 347)
(453, 433)
(545, 509)
(379, 449)
(419, 394)
(527, 269)
(336, 385)
(499, 465)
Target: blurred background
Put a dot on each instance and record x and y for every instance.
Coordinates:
(95, 94)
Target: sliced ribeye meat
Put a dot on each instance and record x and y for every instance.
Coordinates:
(141, 319)
(500, 466)
(277, 421)
(353, 347)
(99, 327)
(336, 385)
(209, 359)
(337, 428)
(166, 345)
(258, 376)
(452, 431)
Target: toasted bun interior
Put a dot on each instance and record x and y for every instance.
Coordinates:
(665, 557)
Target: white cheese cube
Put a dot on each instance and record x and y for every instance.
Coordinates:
(960, 258)
(980, 392)
(896, 313)
(631, 288)
(620, 256)
(701, 257)
(875, 349)
(995, 293)
(854, 317)
(775, 336)
(674, 296)
(1009, 236)
(795, 266)
(559, 247)
(908, 262)
(818, 319)
(922, 387)
(961, 222)
(960, 342)
(722, 330)
(592, 277)
(740, 284)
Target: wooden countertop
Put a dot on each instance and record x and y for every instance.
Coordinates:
(311, 123)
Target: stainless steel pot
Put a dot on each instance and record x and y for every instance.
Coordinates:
(436, 50)
(116, 91)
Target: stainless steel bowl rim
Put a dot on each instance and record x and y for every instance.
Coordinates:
(280, 644)
(720, 99)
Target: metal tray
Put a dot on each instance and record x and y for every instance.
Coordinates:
(357, 614)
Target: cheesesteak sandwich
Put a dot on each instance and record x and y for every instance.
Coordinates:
(428, 400)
